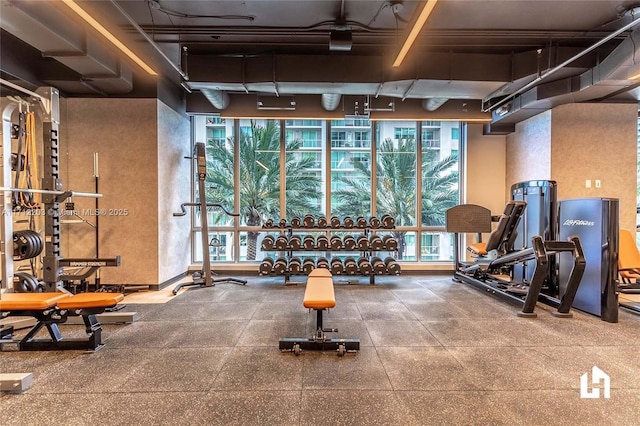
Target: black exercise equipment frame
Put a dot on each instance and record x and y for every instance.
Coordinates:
(319, 341)
(206, 275)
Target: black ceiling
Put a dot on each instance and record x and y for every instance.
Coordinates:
(468, 50)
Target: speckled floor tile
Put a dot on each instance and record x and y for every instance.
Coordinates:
(361, 370)
(416, 295)
(390, 311)
(428, 368)
(290, 310)
(435, 310)
(241, 408)
(146, 334)
(374, 295)
(177, 370)
(457, 408)
(465, 332)
(268, 332)
(346, 407)
(400, 333)
(207, 333)
(503, 368)
(257, 368)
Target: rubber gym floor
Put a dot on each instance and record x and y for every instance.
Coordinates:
(432, 352)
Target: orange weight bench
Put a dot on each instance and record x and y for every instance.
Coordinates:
(51, 309)
(319, 296)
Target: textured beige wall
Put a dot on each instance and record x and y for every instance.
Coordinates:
(124, 132)
(528, 153)
(174, 188)
(485, 174)
(596, 141)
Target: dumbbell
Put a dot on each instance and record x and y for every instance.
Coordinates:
(308, 265)
(393, 267)
(295, 265)
(365, 266)
(266, 266)
(295, 242)
(282, 223)
(390, 243)
(308, 242)
(348, 222)
(308, 221)
(361, 222)
(322, 262)
(335, 242)
(322, 242)
(268, 242)
(322, 222)
(379, 268)
(337, 268)
(268, 223)
(362, 242)
(388, 221)
(295, 222)
(376, 243)
(280, 267)
(350, 266)
(335, 222)
(282, 243)
(349, 242)
(374, 222)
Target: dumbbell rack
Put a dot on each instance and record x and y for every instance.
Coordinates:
(287, 229)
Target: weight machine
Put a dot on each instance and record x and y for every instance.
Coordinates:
(204, 278)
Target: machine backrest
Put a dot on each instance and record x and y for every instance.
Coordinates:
(468, 218)
(503, 237)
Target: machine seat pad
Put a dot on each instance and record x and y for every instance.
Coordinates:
(90, 300)
(478, 248)
(30, 301)
(319, 292)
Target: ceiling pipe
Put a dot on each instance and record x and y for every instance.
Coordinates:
(218, 98)
(149, 40)
(557, 68)
(330, 101)
(432, 104)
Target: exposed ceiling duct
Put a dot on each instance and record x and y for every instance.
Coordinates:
(607, 78)
(331, 101)
(58, 37)
(218, 98)
(432, 104)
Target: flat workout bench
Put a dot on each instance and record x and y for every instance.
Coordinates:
(51, 309)
(319, 296)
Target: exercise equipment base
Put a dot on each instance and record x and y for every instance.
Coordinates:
(312, 344)
(15, 382)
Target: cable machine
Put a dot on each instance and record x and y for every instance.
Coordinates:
(204, 278)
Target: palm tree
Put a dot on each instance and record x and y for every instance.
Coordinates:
(260, 177)
(396, 187)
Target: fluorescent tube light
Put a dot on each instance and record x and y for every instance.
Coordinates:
(113, 39)
(413, 34)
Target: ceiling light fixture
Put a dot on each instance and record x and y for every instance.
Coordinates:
(413, 34)
(113, 39)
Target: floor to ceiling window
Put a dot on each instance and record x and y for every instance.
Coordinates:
(273, 169)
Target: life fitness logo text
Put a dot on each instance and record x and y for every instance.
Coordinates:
(577, 222)
(597, 376)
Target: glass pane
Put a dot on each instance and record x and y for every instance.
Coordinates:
(351, 167)
(220, 246)
(436, 246)
(396, 171)
(305, 154)
(440, 187)
(219, 183)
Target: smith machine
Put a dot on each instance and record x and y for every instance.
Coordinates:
(46, 101)
(204, 278)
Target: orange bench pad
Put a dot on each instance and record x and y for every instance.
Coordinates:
(30, 301)
(90, 300)
(478, 248)
(319, 292)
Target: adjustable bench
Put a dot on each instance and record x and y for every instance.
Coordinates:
(319, 296)
(51, 309)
